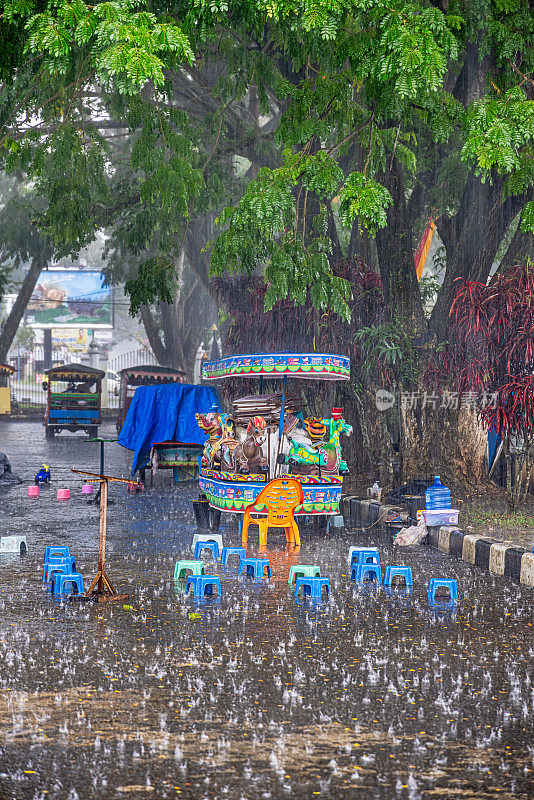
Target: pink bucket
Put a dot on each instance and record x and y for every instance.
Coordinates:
(33, 491)
(87, 488)
(63, 494)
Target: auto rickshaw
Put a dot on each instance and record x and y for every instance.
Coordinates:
(74, 399)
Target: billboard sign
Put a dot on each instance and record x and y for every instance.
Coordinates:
(70, 299)
(74, 339)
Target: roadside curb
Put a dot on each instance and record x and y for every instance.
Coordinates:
(492, 555)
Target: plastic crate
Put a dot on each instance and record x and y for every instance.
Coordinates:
(440, 516)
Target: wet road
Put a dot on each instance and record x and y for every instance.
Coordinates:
(370, 695)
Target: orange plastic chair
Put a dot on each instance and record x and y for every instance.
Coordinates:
(280, 498)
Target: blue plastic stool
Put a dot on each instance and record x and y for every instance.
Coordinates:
(254, 567)
(203, 585)
(231, 551)
(56, 565)
(404, 572)
(212, 546)
(61, 583)
(359, 571)
(312, 587)
(365, 556)
(437, 583)
(55, 569)
(58, 561)
(53, 550)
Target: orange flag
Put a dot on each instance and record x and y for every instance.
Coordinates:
(422, 251)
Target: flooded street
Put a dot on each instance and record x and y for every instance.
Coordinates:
(253, 695)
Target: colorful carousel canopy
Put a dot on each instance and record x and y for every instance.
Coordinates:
(313, 366)
(6, 369)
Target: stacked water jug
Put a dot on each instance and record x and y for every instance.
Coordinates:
(438, 505)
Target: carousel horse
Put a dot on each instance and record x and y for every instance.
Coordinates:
(225, 447)
(210, 423)
(248, 454)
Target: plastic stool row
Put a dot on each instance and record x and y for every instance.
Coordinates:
(362, 572)
(252, 567)
(307, 578)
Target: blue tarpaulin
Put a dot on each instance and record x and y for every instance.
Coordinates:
(165, 414)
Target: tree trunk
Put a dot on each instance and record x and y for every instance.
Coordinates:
(451, 443)
(152, 332)
(395, 249)
(11, 325)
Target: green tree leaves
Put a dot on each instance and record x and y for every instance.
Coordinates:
(125, 45)
(358, 100)
(364, 200)
(500, 133)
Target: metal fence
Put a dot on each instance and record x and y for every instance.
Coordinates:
(132, 358)
(28, 396)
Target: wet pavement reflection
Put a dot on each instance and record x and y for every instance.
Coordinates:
(372, 694)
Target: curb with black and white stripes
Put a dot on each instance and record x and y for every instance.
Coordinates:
(493, 555)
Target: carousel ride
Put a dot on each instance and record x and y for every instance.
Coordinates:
(266, 437)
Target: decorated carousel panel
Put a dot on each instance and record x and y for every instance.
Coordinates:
(266, 436)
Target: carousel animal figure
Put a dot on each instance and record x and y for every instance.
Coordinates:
(315, 428)
(335, 426)
(321, 456)
(210, 423)
(303, 458)
(223, 451)
(248, 456)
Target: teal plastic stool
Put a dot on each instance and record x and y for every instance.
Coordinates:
(183, 567)
(303, 571)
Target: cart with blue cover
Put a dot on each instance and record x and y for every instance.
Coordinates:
(131, 378)
(160, 428)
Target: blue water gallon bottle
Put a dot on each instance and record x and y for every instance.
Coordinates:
(437, 496)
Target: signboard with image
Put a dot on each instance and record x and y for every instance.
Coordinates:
(74, 339)
(70, 299)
